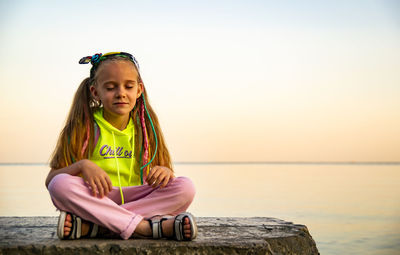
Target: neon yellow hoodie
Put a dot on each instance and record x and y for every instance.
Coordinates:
(114, 152)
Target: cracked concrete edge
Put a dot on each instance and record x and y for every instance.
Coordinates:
(217, 235)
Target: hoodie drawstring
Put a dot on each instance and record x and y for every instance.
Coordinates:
(119, 177)
(133, 152)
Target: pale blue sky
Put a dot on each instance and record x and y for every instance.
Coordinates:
(230, 80)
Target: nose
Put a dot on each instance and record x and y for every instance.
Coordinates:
(121, 92)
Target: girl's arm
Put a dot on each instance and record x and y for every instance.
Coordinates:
(73, 169)
(96, 177)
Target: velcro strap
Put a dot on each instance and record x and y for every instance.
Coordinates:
(156, 228)
(178, 227)
(76, 227)
(94, 231)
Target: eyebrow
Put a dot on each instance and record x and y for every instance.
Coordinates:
(113, 82)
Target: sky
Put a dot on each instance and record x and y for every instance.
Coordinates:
(229, 80)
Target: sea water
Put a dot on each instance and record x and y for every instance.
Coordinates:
(348, 208)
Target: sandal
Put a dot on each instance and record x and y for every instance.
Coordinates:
(179, 224)
(76, 229)
(178, 227)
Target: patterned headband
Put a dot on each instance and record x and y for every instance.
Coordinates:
(98, 57)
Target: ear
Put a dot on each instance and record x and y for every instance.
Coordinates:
(94, 92)
(140, 89)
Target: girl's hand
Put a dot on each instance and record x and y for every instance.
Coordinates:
(159, 175)
(96, 178)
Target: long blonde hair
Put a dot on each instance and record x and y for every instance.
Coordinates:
(76, 140)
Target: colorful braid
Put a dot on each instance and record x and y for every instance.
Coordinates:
(146, 141)
(148, 166)
(85, 144)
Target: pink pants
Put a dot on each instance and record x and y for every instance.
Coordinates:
(71, 194)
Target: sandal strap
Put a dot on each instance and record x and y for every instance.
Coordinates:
(179, 233)
(178, 227)
(156, 228)
(76, 229)
(93, 230)
(60, 225)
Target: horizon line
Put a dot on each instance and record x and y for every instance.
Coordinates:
(246, 163)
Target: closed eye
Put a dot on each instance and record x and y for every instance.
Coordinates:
(130, 85)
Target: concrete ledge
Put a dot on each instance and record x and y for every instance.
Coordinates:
(37, 235)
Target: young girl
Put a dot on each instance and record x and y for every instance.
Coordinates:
(111, 169)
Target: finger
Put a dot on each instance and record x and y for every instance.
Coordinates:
(160, 178)
(156, 171)
(169, 177)
(110, 186)
(150, 177)
(105, 186)
(165, 182)
(100, 188)
(93, 186)
(153, 180)
(157, 174)
(155, 183)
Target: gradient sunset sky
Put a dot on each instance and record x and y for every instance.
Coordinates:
(230, 80)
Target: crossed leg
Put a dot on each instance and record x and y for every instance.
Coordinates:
(71, 194)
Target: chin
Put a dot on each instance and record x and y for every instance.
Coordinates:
(123, 113)
(120, 112)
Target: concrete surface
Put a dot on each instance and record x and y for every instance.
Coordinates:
(37, 235)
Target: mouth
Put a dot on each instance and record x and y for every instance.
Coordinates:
(120, 103)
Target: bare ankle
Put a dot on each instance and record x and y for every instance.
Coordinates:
(167, 227)
(85, 228)
(143, 229)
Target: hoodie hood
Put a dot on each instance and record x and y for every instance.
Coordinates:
(103, 123)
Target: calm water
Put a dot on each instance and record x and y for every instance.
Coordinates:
(348, 209)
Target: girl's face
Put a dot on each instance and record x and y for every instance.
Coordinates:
(117, 87)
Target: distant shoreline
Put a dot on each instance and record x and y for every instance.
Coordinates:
(241, 163)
